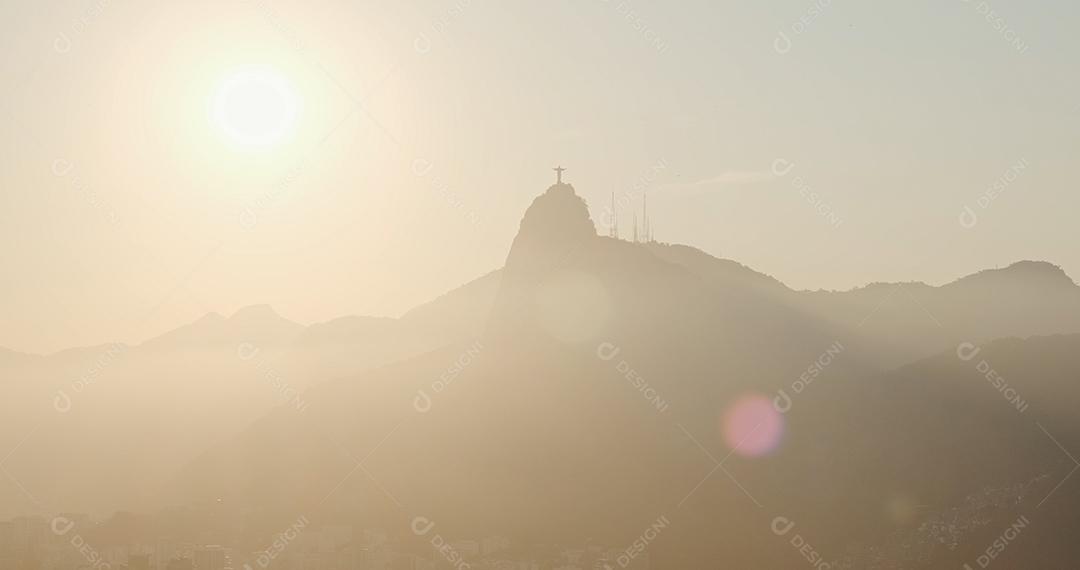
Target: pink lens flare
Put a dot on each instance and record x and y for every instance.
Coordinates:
(752, 427)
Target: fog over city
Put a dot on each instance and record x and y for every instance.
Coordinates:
(584, 285)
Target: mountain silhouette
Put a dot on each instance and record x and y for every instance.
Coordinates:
(486, 451)
(256, 324)
(555, 223)
(579, 391)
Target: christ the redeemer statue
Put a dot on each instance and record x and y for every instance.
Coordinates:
(558, 174)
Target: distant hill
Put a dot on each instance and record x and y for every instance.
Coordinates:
(162, 402)
(580, 391)
(461, 313)
(533, 433)
(256, 324)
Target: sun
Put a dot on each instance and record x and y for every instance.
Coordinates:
(256, 107)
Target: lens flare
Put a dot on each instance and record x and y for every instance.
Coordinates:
(751, 426)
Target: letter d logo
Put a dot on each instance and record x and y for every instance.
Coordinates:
(782, 526)
(782, 43)
(966, 351)
(422, 526)
(421, 166)
(247, 351)
(422, 402)
(61, 44)
(61, 525)
(422, 44)
(606, 351)
(968, 218)
(782, 166)
(62, 402)
(61, 167)
(782, 402)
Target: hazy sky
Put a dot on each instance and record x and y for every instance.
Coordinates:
(426, 128)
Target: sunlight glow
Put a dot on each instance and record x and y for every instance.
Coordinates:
(256, 107)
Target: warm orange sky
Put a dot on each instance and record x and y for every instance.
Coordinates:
(425, 130)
